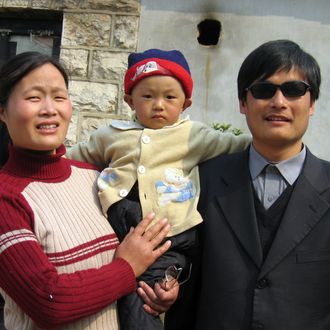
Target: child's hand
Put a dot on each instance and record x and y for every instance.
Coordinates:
(160, 298)
(141, 247)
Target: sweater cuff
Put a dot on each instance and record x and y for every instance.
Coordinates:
(125, 280)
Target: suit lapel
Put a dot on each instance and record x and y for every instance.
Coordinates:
(236, 201)
(305, 209)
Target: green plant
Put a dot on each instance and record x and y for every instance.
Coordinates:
(222, 127)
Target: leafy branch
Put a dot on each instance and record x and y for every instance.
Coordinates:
(222, 127)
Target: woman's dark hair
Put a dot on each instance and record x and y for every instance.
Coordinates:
(11, 73)
(277, 55)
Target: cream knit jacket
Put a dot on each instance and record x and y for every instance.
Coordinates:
(162, 161)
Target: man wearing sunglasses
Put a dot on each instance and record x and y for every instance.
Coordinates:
(266, 231)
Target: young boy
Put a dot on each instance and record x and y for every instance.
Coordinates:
(152, 164)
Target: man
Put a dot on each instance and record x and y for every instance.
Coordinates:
(266, 231)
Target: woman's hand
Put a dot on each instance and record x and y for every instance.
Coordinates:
(141, 247)
(159, 299)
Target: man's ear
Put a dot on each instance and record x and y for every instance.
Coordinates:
(128, 100)
(242, 106)
(187, 103)
(2, 111)
(312, 108)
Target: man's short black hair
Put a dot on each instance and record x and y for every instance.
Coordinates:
(277, 55)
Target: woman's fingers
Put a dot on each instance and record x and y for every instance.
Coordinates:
(161, 248)
(157, 232)
(142, 246)
(144, 223)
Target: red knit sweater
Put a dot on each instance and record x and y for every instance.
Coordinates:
(56, 248)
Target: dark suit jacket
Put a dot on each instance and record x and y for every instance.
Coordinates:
(290, 290)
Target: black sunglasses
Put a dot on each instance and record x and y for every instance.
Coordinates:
(266, 90)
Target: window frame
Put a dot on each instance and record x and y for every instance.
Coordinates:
(26, 22)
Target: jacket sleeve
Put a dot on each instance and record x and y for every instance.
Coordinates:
(97, 150)
(208, 142)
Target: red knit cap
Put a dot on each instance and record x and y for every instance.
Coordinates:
(158, 62)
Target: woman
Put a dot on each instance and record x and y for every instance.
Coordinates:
(58, 263)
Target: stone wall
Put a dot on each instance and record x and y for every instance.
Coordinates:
(97, 37)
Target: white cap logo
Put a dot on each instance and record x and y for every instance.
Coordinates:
(145, 68)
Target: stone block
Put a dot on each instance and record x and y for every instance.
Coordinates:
(89, 123)
(17, 3)
(71, 136)
(75, 61)
(47, 4)
(82, 29)
(126, 32)
(109, 65)
(93, 96)
(126, 6)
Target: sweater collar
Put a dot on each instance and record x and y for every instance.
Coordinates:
(37, 166)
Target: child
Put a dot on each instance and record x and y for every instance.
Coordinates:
(152, 164)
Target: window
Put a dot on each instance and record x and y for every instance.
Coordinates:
(30, 30)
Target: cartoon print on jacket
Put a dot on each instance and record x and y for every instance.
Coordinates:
(175, 188)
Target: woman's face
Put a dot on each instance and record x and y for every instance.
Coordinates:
(38, 110)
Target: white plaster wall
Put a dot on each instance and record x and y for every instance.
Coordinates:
(172, 24)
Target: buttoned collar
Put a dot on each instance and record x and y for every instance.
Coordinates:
(289, 169)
